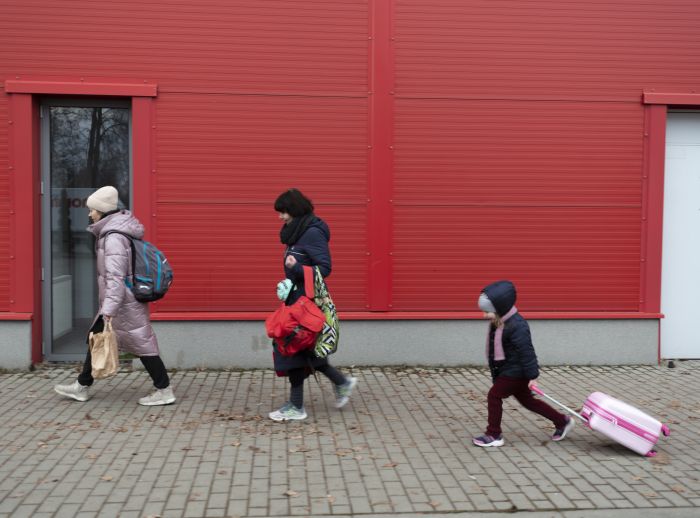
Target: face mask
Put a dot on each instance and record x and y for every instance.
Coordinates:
(91, 220)
(485, 304)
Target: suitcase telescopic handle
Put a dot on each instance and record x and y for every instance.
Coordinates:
(537, 390)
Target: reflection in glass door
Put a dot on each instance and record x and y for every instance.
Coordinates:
(85, 146)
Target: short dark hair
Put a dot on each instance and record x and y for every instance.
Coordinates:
(294, 203)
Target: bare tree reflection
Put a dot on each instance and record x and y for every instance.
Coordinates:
(90, 148)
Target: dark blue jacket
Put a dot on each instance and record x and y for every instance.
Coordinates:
(311, 249)
(521, 360)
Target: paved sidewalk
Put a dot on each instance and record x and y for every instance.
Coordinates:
(401, 447)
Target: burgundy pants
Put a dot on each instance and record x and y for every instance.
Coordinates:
(505, 387)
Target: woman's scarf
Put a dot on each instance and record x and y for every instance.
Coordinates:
(498, 353)
(292, 231)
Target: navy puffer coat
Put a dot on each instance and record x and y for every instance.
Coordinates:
(521, 360)
(311, 249)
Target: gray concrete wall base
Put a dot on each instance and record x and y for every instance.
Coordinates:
(425, 342)
(596, 342)
(15, 344)
(216, 345)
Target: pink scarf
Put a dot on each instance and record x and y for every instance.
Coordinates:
(498, 353)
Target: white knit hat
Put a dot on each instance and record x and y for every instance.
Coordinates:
(104, 199)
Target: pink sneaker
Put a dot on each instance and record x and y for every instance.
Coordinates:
(560, 433)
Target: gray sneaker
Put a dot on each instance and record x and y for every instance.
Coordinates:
(159, 397)
(288, 412)
(343, 392)
(74, 390)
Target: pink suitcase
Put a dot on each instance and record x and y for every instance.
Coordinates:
(617, 420)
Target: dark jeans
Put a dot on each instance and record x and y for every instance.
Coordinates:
(505, 387)
(297, 377)
(153, 364)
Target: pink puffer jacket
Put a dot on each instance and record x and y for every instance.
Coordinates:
(130, 319)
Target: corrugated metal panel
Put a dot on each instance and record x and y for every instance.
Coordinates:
(227, 257)
(526, 153)
(547, 193)
(599, 48)
(222, 162)
(244, 149)
(4, 208)
(496, 176)
(561, 258)
(310, 46)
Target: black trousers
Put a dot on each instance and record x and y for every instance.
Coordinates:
(297, 377)
(153, 364)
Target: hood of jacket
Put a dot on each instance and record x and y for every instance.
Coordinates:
(123, 221)
(502, 295)
(322, 226)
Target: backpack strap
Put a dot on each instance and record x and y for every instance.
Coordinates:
(131, 242)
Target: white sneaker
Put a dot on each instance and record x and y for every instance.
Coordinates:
(75, 390)
(159, 397)
(288, 412)
(343, 392)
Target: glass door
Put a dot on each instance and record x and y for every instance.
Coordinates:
(85, 146)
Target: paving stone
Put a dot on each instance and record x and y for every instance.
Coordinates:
(67, 510)
(195, 510)
(27, 511)
(521, 502)
(153, 508)
(109, 510)
(237, 507)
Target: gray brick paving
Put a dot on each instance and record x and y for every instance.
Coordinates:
(400, 448)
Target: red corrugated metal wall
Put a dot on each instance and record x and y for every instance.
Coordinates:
(276, 96)
(517, 137)
(222, 162)
(519, 146)
(254, 97)
(549, 196)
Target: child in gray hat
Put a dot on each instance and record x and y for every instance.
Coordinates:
(513, 364)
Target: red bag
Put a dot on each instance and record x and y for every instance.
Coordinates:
(296, 327)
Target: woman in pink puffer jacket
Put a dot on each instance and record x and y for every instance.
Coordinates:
(130, 319)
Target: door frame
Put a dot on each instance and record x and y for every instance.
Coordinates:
(46, 224)
(657, 105)
(25, 181)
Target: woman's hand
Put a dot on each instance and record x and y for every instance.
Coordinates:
(532, 383)
(290, 261)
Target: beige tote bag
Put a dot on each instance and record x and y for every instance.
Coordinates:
(104, 353)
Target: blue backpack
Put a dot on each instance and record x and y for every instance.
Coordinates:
(151, 274)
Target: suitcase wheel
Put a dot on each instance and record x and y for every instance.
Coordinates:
(666, 430)
(651, 453)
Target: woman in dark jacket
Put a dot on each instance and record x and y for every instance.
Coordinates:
(306, 238)
(513, 364)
